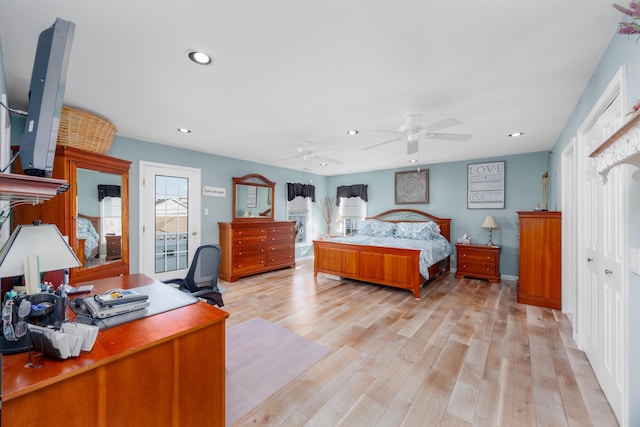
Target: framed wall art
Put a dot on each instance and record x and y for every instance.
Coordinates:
(485, 185)
(412, 187)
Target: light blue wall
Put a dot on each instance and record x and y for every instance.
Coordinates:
(217, 171)
(447, 185)
(622, 51)
(448, 199)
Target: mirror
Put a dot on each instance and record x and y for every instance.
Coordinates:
(253, 198)
(100, 207)
(98, 217)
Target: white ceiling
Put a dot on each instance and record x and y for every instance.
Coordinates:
(289, 71)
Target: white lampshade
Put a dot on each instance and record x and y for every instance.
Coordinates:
(41, 244)
(490, 222)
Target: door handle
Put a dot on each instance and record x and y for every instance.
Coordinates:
(589, 259)
(608, 272)
(193, 233)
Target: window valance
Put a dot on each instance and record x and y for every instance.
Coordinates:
(356, 190)
(105, 190)
(300, 190)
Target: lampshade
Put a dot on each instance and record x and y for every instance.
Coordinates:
(27, 242)
(339, 219)
(490, 222)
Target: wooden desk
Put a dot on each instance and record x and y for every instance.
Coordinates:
(163, 370)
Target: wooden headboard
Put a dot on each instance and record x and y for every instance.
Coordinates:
(412, 215)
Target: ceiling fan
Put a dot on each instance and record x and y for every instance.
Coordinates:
(413, 129)
(307, 152)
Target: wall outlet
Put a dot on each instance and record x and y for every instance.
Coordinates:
(634, 260)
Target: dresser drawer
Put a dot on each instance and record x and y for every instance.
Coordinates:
(243, 252)
(249, 232)
(249, 264)
(280, 257)
(477, 268)
(246, 241)
(477, 255)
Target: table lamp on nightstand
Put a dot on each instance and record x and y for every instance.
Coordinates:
(490, 223)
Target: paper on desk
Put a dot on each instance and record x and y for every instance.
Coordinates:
(87, 333)
(68, 341)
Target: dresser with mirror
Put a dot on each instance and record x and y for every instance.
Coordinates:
(93, 212)
(254, 242)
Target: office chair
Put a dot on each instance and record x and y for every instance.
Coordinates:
(202, 277)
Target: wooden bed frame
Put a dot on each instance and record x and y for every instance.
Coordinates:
(395, 267)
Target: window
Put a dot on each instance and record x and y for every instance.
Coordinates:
(299, 210)
(111, 216)
(351, 211)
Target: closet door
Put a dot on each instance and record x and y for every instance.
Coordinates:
(604, 243)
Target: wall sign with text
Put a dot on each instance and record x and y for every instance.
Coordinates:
(485, 185)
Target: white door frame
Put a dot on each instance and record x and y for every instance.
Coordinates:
(569, 232)
(194, 214)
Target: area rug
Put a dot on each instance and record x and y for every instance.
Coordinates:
(261, 359)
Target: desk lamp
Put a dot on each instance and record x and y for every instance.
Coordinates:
(32, 249)
(29, 250)
(490, 223)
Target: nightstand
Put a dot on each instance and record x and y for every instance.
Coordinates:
(478, 261)
(114, 247)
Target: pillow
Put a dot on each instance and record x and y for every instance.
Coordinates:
(376, 228)
(417, 230)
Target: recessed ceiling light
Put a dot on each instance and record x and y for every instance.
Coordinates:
(353, 132)
(516, 134)
(324, 164)
(184, 130)
(413, 160)
(198, 57)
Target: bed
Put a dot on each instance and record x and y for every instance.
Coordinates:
(388, 261)
(88, 238)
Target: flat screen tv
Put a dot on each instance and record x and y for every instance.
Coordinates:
(46, 93)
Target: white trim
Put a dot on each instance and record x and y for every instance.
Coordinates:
(569, 230)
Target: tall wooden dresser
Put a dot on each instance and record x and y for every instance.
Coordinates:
(540, 259)
(255, 247)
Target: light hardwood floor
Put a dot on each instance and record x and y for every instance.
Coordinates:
(465, 354)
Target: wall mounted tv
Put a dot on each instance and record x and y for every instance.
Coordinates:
(46, 93)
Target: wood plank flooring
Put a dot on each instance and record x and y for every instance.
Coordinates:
(465, 354)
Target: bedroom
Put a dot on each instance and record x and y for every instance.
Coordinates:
(447, 179)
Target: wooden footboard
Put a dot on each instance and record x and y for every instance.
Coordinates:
(396, 267)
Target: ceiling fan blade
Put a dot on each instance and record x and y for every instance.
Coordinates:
(389, 131)
(285, 158)
(448, 136)
(382, 143)
(451, 121)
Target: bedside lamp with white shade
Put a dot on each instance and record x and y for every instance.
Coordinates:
(490, 223)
